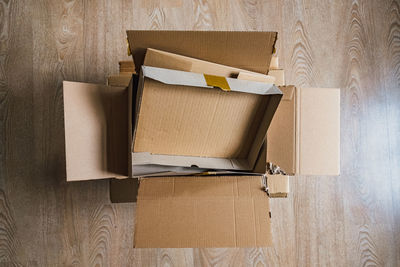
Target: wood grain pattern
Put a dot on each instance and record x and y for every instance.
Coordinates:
(351, 220)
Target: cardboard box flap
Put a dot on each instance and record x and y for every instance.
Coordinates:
(178, 212)
(246, 50)
(176, 77)
(281, 136)
(183, 116)
(318, 124)
(304, 135)
(96, 131)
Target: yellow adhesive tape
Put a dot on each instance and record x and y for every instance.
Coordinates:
(217, 81)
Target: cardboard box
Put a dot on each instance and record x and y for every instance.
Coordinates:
(207, 122)
(190, 211)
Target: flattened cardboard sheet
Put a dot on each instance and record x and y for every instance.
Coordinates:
(179, 212)
(245, 50)
(96, 131)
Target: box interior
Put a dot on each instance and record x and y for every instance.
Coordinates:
(178, 124)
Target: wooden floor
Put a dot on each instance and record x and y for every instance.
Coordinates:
(351, 220)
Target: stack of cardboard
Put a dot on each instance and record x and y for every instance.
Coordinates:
(187, 130)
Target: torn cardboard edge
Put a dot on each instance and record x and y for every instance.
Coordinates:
(180, 78)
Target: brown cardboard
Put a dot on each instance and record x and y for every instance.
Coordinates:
(278, 185)
(256, 77)
(245, 50)
(278, 75)
(121, 80)
(304, 136)
(178, 212)
(96, 131)
(126, 67)
(162, 59)
(206, 127)
(274, 63)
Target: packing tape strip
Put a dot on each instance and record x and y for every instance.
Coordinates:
(217, 81)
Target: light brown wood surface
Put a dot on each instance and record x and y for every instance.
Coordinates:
(351, 220)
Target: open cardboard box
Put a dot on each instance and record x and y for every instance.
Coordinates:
(180, 119)
(196, 211)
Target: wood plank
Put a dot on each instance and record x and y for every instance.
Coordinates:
(392, 84)
(16, 133)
